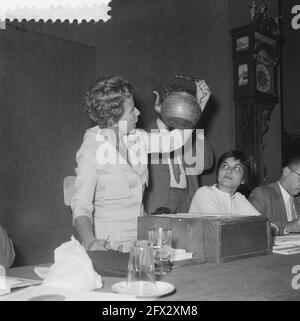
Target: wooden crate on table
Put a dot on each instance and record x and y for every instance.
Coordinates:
(216, 239)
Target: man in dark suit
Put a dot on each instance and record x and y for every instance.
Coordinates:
(280, 201)
(173, 179)
(173, 183)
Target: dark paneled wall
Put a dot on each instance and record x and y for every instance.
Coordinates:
(42, 124)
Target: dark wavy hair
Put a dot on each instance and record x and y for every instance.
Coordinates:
(239, 156)
(104, 100)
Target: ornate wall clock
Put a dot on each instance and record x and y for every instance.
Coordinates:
(255, 60)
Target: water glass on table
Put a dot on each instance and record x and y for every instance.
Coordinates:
(161, 239)
(141, 276)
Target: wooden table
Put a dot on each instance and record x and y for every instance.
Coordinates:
(266, 277)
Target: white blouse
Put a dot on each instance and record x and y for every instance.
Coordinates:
(111, 177)
(211, 200)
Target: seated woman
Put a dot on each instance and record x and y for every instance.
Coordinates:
(223, 198)
(7, 253)
(112, 167)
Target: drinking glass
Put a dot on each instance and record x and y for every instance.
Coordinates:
(141, 276)
(161, 239)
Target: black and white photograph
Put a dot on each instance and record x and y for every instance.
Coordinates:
(149, 153)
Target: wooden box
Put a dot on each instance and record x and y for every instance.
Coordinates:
(214, 238)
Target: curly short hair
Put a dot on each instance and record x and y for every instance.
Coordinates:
(104, 100)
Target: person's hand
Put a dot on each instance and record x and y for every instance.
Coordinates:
(116, 246)
(104, 245)
(99, 245)
(293, 226)
(203, 93)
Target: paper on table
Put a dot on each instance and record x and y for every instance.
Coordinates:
(286, 244)
(12, 282)
(286, 250)
(180, 254)
(43, 293)
(287, 239)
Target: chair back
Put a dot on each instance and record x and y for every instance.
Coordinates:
(69, 189)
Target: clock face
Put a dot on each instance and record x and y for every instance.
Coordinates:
(263, 78)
